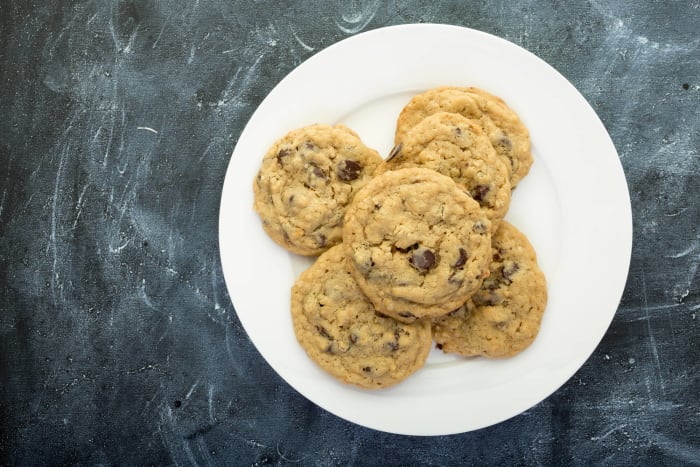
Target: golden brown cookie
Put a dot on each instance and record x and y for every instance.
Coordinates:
(503, 317)
(455, 146)
(306, 181)
(509, 136)
(338, 328)
(417, 244)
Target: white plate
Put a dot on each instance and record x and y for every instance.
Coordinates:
(574, 206)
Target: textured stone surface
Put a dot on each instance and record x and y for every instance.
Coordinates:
(118, 342)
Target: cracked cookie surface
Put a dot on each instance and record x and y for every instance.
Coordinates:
(416, 243)
(504, 315)
(306, 181)
(509, 136)
(454, 145)
(338, 328)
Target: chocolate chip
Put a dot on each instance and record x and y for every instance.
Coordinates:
(323, 332)
(282, 154)
(458, 131)
(423, 260)
(318, 171)
(310, 145)
(353, 338)
(348, 170)
(462, 260)
(380, 314)
(480, 227)
(406, 314)
(407, 249)
(366, 369)
(505, 142)
(490, 298)
(509, 270)
(322, 240)
(394, 151)
(393, 346)
(453, 279)
(438, 346)
(479, 192)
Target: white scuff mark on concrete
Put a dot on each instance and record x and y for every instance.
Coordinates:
(79, 206)
(691, 248)
(608, 433)
(210, 399)
(358, 20)
(158, 38)
(146, 128)
(301, 43)
(189, 393)
(142, 294)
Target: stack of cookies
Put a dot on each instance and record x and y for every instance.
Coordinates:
(413, 248)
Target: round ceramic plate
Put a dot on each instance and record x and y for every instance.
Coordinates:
(574, 206)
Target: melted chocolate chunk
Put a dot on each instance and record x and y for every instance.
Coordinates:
(323, 332)
(462, 260)
(282, 154)
(348, 170)
(394, 151)
(455, 280)
(490, 298)
(407, 249)
(318, 171)
(509, 270)
(479, 192)
(423, 260)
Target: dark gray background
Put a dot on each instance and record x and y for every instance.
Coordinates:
(118, 341)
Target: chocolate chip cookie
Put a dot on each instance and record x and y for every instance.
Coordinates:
(306, 181)
(338, 328)
(417, 244)
(504, 315)
(509, 136)
(455, 146)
